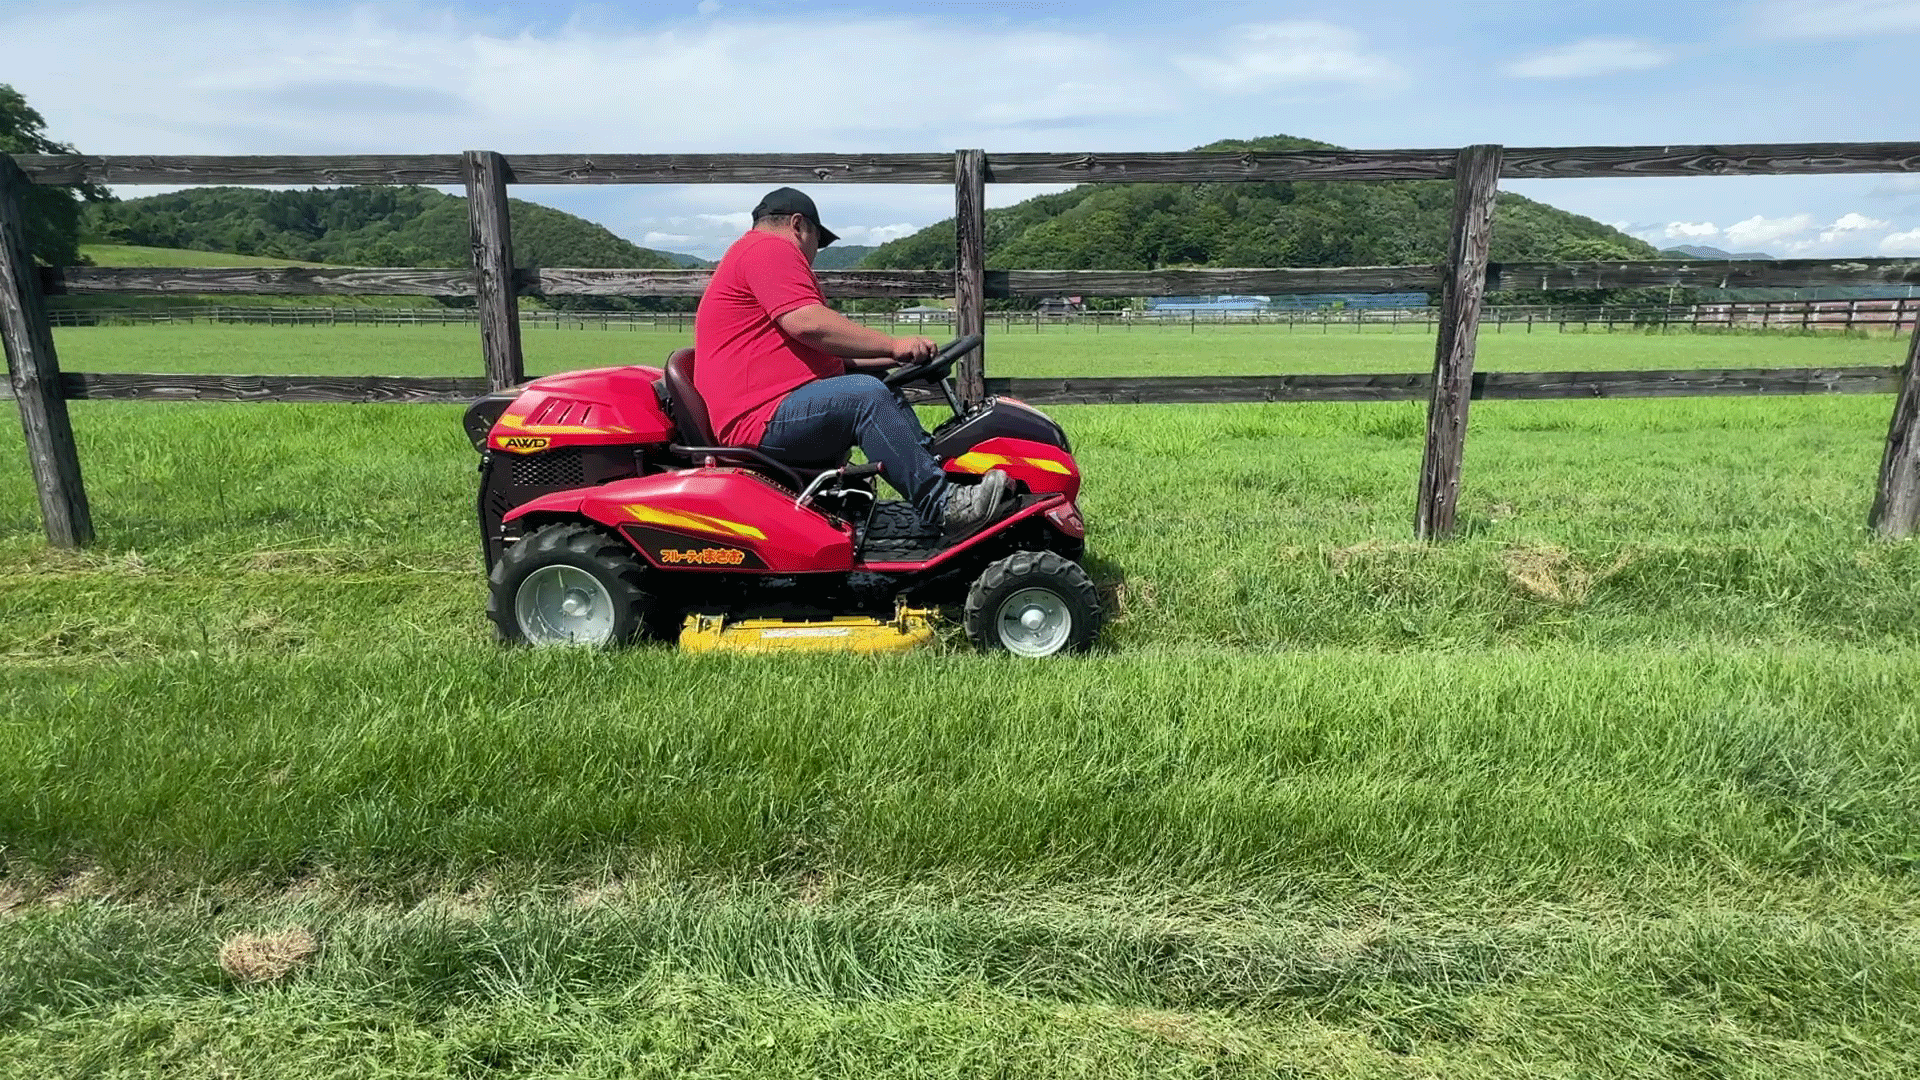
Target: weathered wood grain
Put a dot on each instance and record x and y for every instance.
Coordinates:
(970, 268)
(1747, 159)
(1896, 499)
(1787, 159)
(33, 377)
(1462, 284)
(1705, 274)
(1213, 167)
(491, 247)
(773, 169)
(265, 280)
(303, 169)
(329, 170)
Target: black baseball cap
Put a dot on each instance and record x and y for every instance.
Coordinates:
(788, 200)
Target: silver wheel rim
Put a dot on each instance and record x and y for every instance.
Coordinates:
(563, 605)
(1034, 622)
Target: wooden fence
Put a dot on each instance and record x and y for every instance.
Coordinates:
(1461, 281)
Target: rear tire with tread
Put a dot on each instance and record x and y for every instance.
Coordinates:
(1064, 589)
(611, 562)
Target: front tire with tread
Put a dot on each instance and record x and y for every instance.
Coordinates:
(1061, 583)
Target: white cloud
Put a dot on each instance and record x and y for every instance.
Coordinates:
(1837, 18)
(1850, 223)
(1594, 56)
(1690, 230)
(1269, 56)
(665, 240)
(738, 221)
(707, 7)
(1901, 243)
(874, 234)
(1758, 230)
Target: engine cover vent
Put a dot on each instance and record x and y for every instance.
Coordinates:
(560, 468)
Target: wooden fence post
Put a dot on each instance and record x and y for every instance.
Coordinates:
(492, 249)
(33, 370)
(1896, 503)
(1462, 285)
(970, 266)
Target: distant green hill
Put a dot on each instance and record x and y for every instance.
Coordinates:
(842, 257)
(354, 226)
(363, 226)
(1300, 223)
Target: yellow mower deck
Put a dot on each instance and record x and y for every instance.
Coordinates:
(908, 629)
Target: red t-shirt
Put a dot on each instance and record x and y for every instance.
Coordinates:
(743, 364)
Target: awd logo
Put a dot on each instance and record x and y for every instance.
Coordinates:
(713, 556)
(523, 444)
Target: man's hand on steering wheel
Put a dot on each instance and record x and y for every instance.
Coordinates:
(913, 350)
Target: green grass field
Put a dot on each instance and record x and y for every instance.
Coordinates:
(135, 255)
(1620, 783)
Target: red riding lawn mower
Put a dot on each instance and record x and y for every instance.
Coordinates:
(610, 514)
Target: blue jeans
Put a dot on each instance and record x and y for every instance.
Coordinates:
(819, 421)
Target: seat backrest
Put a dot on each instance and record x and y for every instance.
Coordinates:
(689, 411)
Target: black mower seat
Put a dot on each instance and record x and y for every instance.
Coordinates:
(689, 410)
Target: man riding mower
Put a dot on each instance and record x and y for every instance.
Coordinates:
(713, 502)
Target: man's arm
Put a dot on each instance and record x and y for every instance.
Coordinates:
(820, 327)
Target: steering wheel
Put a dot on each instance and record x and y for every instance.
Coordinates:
(937, 368)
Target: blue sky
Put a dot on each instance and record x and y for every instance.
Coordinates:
(778, 75)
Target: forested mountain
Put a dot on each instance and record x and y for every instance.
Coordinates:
(355, 226)
(1303, 223)
(843, 256)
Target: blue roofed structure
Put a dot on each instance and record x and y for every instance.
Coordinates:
(1181, 305)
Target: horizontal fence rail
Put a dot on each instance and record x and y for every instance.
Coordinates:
(1519, 163)
(1000, 284)
(1088, 390)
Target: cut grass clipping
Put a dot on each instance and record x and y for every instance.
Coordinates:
(265, 958)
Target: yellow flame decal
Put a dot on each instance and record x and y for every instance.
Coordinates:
(976, 462)
(686, 519)
(979, 462)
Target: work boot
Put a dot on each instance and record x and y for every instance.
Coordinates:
(972, 507)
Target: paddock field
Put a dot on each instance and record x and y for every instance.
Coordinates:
(1622, 782)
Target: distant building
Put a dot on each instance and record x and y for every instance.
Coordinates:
(1062, 305)
(924, 313)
